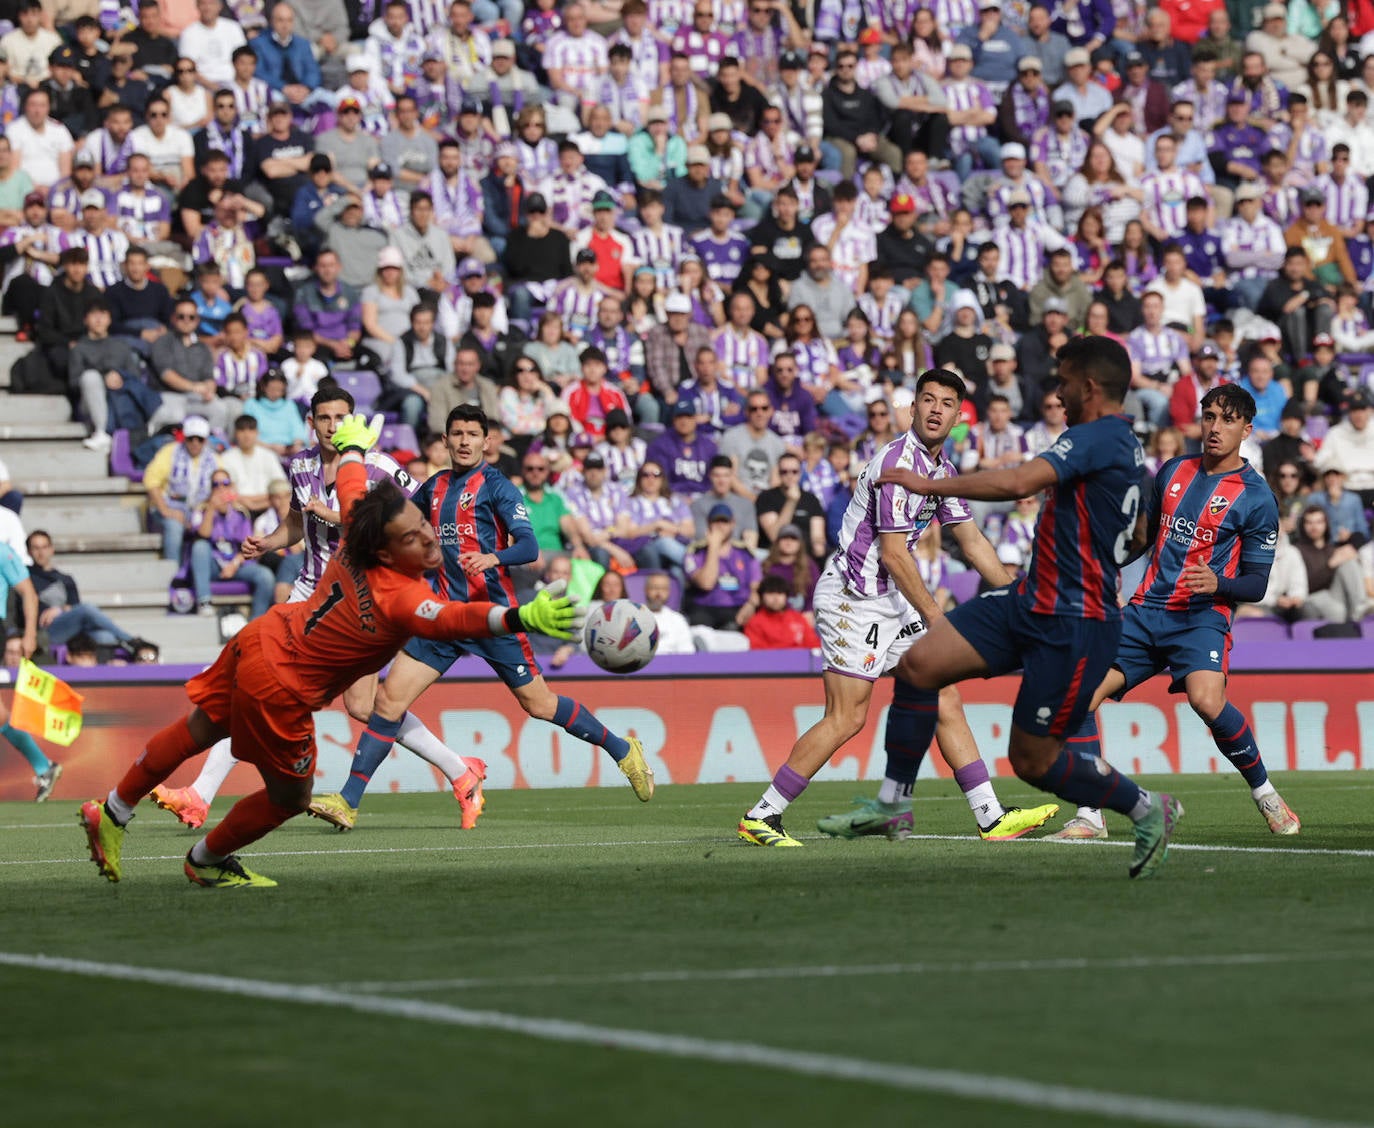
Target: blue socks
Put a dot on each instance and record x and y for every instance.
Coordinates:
(373, 747)
(27, 747)
(910, 729)
(582, 723)
(1236, 741)
(1080, 775)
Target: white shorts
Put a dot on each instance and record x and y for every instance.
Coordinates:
(862, 637)
(300, 591)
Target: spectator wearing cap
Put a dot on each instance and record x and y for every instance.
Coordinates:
(1185, 401)
(279, 159)
(72, 102)
(537, 256)
(1003, 380)
(387, 302)
(1024, 241)
(813, 197)
(1015, 180)
(967, 345)
(722, 574)
(996, 48)
(352, 150)
(1236, 146)
(600, 510)
(853, 119)
(684, 454)
(29, 46)
(355, 242)
(285, 60)
(1025, 104)
(105, 246)
(657, 155)
(1252, 246)
(383, 207)
(1350, 445)
(1285, 54)
(64, 198)
(1090, 99)
(972, 109)
(613, 250)
(178, 482)
(43, 145)
(670, 348)
(1147, 97)
(687, 199)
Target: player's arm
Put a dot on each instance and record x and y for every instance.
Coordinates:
(980, 554)
(283, 537)
(1146, 531)
(901, 566)
(1258, 541)
(1007, 484)
(415, 608)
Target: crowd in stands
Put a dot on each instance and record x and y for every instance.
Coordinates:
(691, 255)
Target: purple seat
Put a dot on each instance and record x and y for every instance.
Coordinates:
(1305, 630)
(399, 436)
(122, 458)
(634, 588)
(1260, 630)
(963, 585)
(365, 387)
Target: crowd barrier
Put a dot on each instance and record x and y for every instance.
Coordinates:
(716, 718)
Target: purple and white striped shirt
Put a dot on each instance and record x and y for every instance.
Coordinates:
(1041, 198)
(1166, 199)
(649, 56)
(622, 463)
(741, 356)
(581, 58)
(661, 250)
(932, 196)
(872, 214)
(601, 510)
(1281, 204)
(625, 100)
(252, 101)
(106, 250)
(968, 95)
(953, 16)
(457, 205)
(882, 316)
(1063, 154)
(704, 50)
(1209, 105)
(138, 213)
(1242, 244)
(576, 306)
(814, 359)
(570, 197)
(1157, 353)
(853, 249)
(878, 509)
(1346, 203)
(670, 15)
(239, 376)
(759, 53)
(307, 481)
(384, 212)
(1023, 251)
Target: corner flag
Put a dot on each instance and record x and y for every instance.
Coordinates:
(46, 706)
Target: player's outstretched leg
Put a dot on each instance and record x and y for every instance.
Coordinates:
(105, 822)
(46, 772)
(191, 805)
(1090, 781)
(1236, 741)
(1087, 822)
(579, 721)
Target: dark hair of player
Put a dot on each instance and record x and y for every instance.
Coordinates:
(371, 514)
(944, 378)
(466, 413)
(1232, 401)
(330, 392)
(1101, 360)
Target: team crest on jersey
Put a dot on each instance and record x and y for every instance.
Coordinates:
(869, 661)
(429, 609)
(1217, 504)
(465, 499)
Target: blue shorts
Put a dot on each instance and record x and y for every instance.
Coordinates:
(1153, 640)
(1063, 659)
(509, 655)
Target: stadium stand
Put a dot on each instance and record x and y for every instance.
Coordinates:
(609, 224)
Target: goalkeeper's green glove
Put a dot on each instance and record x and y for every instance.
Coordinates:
(553, 613)
(358, 433)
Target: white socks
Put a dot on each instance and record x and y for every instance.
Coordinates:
(202, 857)
(894, 791)
(1266, 788)
(1090, 814)
(983, 802)
(218, 764)
(121, 810)
(772, 803)
(413, 735)
(1142, 807)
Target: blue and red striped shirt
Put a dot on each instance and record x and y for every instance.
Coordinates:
(477, 510)
(1228, 521)
(1084, 533)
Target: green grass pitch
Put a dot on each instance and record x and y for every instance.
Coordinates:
(582, 959)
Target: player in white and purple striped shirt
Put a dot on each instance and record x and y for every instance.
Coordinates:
(867, 617)
(1167, 190)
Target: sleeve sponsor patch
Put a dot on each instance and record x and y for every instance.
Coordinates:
(429, 609)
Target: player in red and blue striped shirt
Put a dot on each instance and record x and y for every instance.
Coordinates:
(1214, 527)
(483, 529)
(1061, 623)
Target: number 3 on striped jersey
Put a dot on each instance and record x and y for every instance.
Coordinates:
(1130, 509)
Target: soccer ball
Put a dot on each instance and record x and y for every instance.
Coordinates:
(621, 636)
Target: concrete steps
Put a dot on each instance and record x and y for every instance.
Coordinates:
(85, 516)
(34, 409)
(45, 432)
(53, 460)
(143, 543)
(181, 638)
(118, 572)
(77, 487)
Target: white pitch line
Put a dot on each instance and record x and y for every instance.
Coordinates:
(714, 842)
(911, 1078)
(844, 971)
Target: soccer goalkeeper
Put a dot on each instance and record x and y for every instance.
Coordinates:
(264, 688)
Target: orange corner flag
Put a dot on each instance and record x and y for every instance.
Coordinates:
(46, 706)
